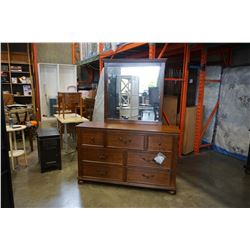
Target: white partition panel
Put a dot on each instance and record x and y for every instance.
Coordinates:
(48, 82)
(52, 79)
(67, 77)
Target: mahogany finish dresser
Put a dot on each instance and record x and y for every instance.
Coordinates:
(131, 147)
(123, 153)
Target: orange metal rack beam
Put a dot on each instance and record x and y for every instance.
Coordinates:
(151, 52)
(163, 50)
(120, 49)
(34, 51)
(173, 79)
(199, 109)
(210, 118)
(183, 100)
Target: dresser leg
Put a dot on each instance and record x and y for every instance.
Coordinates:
(80, 181)
(172, 192)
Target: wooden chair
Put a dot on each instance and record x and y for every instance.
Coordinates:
(69, 102)
(88, 104)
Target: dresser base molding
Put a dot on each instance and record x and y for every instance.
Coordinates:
(83, 180)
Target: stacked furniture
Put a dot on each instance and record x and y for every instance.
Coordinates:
(69, 102)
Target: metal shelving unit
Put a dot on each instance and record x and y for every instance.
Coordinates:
(169, 50)
(11, 57)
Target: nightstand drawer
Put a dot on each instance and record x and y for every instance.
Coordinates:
(125, 140)
(160, 143)
(146, 159)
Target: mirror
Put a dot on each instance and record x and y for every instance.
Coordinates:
(134, 89)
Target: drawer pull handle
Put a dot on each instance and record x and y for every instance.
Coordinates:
(102, 156)
(92, 139)
(159, 144)
(125, 141)
(147, 160)
(102, 172)
(148, 176)
(50, 162)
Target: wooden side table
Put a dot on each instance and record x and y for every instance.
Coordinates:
(14, 152)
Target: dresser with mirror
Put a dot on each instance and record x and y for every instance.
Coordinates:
(131, 147)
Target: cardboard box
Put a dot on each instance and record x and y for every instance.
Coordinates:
(170, 108)
(189, 131)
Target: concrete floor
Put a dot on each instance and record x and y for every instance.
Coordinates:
(207, 180)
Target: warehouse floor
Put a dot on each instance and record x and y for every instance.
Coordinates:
(207, 180)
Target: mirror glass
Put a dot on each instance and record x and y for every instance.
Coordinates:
(133, 92)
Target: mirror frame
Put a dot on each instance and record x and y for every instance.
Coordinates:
(133, 62)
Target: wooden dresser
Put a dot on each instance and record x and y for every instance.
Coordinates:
(123, 153)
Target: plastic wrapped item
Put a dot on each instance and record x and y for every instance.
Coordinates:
(160, 158)
(211, 95)
(107, 46)
(98, 114)
(232, 135)
(89, 50)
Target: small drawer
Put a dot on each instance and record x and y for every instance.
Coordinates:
(146, 159)
(103, 172)
(148, 176)
(125, 140)
(160, 143)
(91, 137)
(106, 155)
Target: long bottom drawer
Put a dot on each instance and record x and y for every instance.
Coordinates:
(148, 176)
(101, 172)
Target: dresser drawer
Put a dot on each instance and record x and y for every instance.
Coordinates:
(106, 155)
(146, 159)
(148, 176)
(101, 172)
(91, 137)
(125, 140)
(160, 143)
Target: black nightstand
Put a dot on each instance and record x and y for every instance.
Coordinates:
(49, 149)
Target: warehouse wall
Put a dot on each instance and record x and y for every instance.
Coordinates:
(54, 53)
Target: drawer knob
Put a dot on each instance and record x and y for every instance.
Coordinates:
(148, 176)
(92, 139)
(102, 172)
(147, 160)
(102, 156)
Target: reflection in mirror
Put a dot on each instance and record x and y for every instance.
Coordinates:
(133, 93)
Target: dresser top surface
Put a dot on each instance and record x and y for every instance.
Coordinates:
(131, 126)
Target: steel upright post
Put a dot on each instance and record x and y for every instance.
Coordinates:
(183, 100)
(199, 110)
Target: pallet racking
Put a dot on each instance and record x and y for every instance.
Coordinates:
(185, 53)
